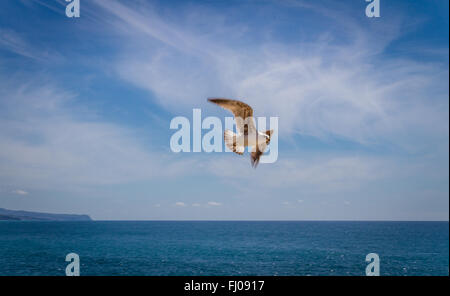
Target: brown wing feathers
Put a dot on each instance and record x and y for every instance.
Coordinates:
(238, 108)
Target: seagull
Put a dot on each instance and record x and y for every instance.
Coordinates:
(247, 135)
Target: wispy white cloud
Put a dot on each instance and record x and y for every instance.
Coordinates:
(180, 204)
(11, 41)
(20, 192)
(44, 143)
(321, 86)
(14, 42)
(214, 204)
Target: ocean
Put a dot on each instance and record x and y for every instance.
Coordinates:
(224, 248)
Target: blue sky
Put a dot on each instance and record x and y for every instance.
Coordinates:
(85, 107)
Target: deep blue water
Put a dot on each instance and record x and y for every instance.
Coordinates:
(224, 248)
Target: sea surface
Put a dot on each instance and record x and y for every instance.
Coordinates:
(224, 248)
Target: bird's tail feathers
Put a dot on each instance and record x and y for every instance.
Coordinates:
(258, 151)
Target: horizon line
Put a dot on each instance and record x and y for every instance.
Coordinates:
(252, 220)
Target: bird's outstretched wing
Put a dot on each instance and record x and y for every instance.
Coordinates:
(242, 112)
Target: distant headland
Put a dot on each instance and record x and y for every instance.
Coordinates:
(35, 216)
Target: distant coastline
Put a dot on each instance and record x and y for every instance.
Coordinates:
(12, 215)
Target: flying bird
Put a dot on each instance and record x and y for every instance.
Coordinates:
(247, 135)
